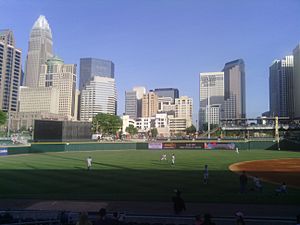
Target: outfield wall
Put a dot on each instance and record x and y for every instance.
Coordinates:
(61, 147)
(92, 146)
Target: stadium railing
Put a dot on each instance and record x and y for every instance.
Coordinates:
(31, 217)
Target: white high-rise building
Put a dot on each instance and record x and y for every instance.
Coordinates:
(140, 91)
(165, 104)
(177, 125)
(10, 72)
(39, 51)
(214, 111)
(39, 99)
(54, 73)
(98, 96)
(56, 91)
(184, 109)
(211, 93)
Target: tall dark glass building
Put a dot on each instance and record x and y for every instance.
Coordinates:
(281, 87)
(234, 90)
(90, 67)
(131, 104)
(167, 92)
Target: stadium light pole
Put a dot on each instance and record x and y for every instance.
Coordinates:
(208, 107)
(8, 124)
(277, 138)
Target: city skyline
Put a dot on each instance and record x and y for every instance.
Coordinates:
(153, 61)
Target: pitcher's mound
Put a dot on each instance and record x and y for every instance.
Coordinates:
(274, 171)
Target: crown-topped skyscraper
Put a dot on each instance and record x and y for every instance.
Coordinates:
(39, 50)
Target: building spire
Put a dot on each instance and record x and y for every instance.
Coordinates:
(41, 23)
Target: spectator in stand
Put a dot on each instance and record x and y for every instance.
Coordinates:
(179, 204)
(102, 219)
(63, 217)
(257, 184)
(282, 189)
(298, 219)
(243, 182)
(83, 219)
(207, 220)
(117, 218)
(198, 220)
(6, 218)
(240, 218)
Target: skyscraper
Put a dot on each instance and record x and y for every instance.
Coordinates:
(281, 87)
(90, 67)
(149, 104)
(10, 71)
(234, 89)
(39, 100)
(131, 104)
(167, 92)
(296, 81)
(140, 91)
(39, 50)
(166, 105)
(211, 97)
(56, 90)
(54, 73)
(184, 109)
(98, 96)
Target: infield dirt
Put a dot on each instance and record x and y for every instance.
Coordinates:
(274, 171)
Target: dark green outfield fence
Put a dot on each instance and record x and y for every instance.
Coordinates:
(264, 145)
(61, 147)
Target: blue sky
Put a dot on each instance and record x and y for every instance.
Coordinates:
(166, 43)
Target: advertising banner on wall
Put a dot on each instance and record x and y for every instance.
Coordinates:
(3, 151)
(155, 145)
(168, 145)
(215, 145)
(190, 145)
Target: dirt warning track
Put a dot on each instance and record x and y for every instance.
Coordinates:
(274, 171)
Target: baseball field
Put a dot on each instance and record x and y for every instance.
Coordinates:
(140, 175)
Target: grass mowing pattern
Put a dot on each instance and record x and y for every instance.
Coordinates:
(135, 175)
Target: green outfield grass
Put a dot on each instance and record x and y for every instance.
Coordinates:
(135, 175)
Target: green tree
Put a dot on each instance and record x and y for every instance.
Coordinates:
(154, 132)
(131, 130)
(191, 130)
(106, 123)
(3, 117)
